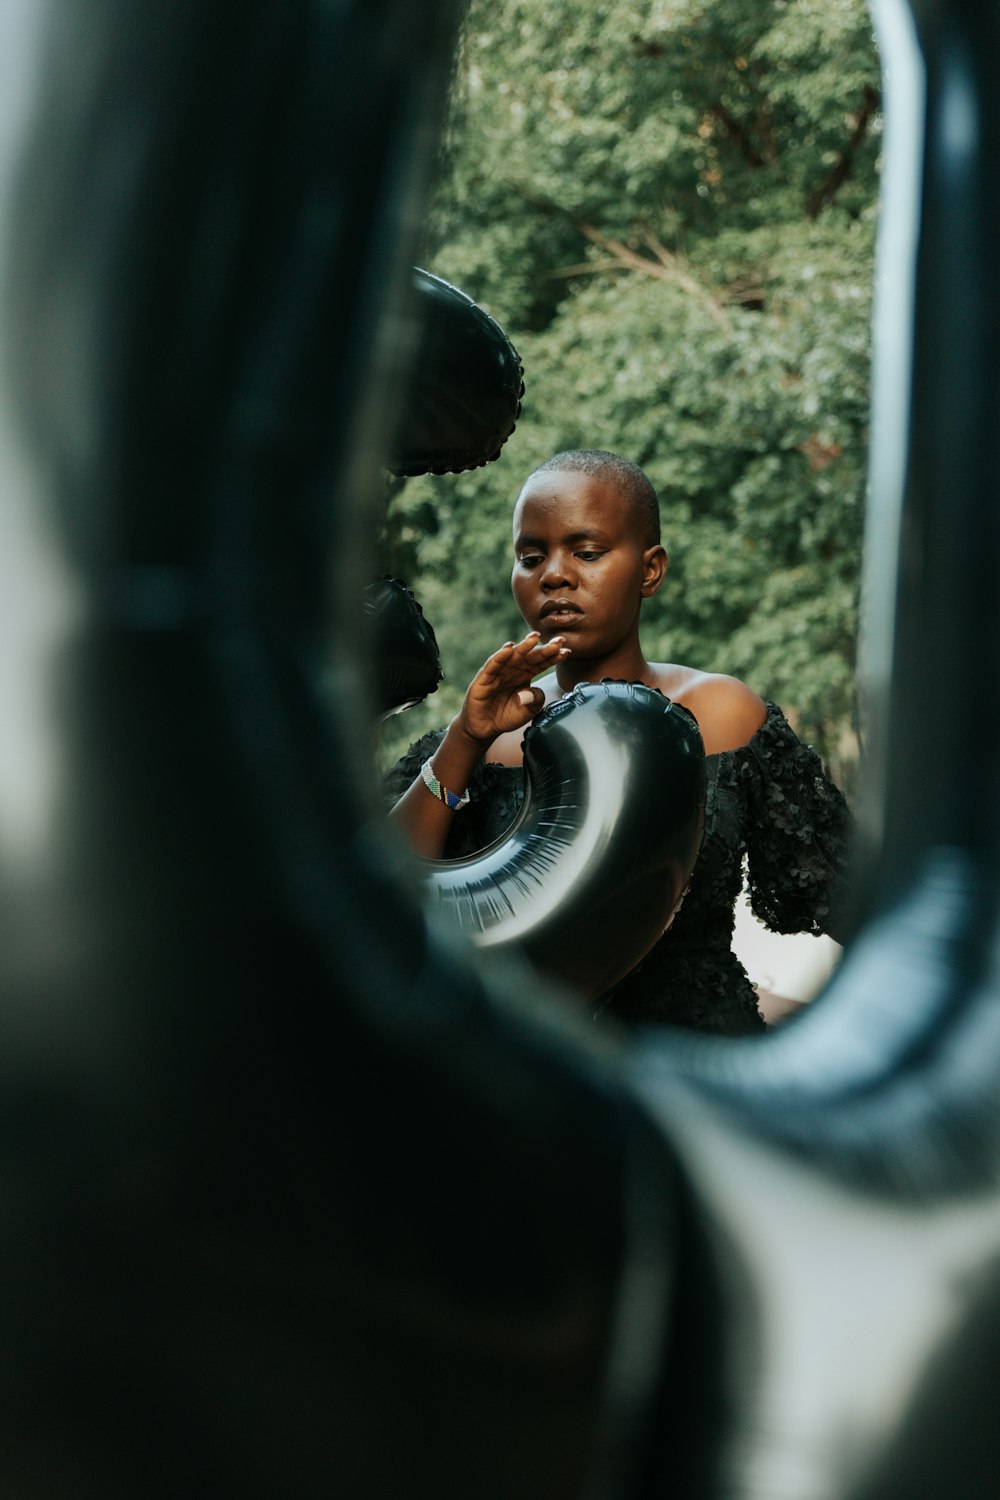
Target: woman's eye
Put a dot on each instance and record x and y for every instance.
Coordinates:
(589, 556)
(529, 560)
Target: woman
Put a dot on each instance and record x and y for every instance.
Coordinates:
(587, 552)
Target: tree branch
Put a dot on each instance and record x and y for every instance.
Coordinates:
(764, 132)
(665, 266)
(841, 169)
(738, 135)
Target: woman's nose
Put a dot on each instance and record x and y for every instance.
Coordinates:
(556, 573)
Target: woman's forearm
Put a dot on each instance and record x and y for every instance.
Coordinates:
(499, 699)
(424, 818)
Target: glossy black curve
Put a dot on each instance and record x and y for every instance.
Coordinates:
(407, 661)
(605, 841)
(932, 876)
(464, 396)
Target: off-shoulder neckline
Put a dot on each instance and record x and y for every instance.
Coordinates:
(773, 713)
(773, 716)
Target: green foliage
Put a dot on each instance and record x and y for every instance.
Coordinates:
(670, 205)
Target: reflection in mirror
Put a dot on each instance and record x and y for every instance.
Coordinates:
(673, 216)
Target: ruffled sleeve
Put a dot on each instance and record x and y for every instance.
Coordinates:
(496, 794)
(798, 829)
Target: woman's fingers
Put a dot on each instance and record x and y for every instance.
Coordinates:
(513, 651)
(530, 654)
(500, 696)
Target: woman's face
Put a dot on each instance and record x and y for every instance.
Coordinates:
(581, 568)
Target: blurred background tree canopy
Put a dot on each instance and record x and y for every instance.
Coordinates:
(670, 206)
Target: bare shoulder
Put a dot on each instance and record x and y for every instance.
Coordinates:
(506, 749)
(729, 713)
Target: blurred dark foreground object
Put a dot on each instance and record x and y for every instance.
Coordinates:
(407, 662)
(295, 1201)
(464, 393)
(298, 1199)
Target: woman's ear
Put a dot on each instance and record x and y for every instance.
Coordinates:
(655, 565)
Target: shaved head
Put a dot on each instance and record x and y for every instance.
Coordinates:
(626, 476)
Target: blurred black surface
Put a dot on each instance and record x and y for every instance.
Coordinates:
(463, 396)
(406, 661)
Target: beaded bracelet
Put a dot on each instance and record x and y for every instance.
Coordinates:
(440, 791)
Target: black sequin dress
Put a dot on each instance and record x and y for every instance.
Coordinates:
(770, 801)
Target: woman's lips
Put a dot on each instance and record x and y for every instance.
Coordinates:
(559, 616)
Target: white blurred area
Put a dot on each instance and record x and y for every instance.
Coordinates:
(36, 609)
(788, 969)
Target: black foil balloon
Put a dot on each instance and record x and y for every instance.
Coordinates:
(590, 874)
(464, 395)
(407, 662)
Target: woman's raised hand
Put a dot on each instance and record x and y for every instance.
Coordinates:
(500, 697)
